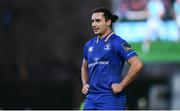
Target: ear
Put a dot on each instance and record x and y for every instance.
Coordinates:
(109, 22)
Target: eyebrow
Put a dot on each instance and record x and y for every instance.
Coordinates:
(95, 19)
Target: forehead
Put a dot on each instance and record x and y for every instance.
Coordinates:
(98, 15)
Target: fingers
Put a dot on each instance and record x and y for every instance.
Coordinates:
(115, 88)
(85, 89)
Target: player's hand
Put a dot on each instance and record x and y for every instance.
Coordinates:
(116, 88)
(85, 89)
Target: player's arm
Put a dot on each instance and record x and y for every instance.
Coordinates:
(135, 66)
(84, 76)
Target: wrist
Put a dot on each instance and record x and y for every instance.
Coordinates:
(121, 85)
(85, 84)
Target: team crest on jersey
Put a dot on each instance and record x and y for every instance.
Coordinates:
(90, 49)
(107, 46)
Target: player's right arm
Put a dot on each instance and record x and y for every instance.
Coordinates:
(84, 76)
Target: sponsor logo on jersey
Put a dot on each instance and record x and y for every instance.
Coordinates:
(98, 63)
(126, 46)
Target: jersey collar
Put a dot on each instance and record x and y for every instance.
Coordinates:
(105, 38)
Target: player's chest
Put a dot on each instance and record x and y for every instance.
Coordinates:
(100, 51)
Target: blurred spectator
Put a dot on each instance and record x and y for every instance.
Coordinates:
(176, 9)
(137, 5)
(123, 7)
(131, 9)
(168, 7)
(137, 10)
(155, 13)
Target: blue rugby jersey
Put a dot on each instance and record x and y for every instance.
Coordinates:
(106, 59)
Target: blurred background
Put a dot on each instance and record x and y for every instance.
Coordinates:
(42, 46)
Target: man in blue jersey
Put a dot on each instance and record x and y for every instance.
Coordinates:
(104, 57)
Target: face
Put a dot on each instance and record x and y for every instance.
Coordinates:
(99, 24)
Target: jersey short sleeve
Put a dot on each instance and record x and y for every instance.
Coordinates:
(124, 49)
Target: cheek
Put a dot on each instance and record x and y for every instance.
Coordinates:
(104, 27)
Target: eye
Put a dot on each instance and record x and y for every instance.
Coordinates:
(98, 20)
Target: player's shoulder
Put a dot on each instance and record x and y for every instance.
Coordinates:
(91, 41)
(118, 39)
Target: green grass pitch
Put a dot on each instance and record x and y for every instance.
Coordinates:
(160, 51)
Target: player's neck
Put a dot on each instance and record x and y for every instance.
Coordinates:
(105, 34)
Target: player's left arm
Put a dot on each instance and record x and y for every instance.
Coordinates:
(135, 66)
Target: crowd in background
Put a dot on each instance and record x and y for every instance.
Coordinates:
(140, 6)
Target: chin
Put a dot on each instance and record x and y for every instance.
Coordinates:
(96, 33)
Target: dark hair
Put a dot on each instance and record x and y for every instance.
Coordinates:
(107, 14)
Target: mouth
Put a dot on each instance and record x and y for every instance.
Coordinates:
(95, 29)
